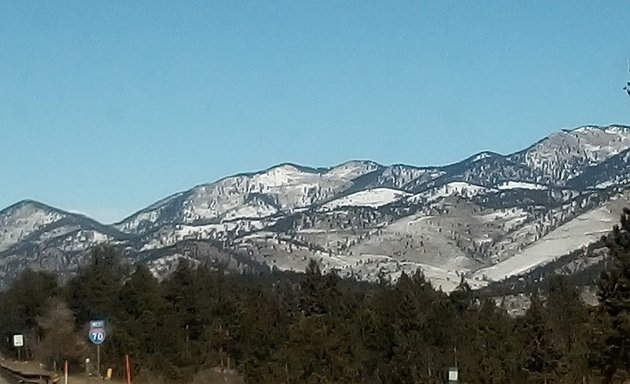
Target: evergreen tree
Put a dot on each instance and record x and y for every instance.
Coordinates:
(541, 354)
(183, 315)
(491, 353)
(23, 303)
(140, 322)
(318, 328)
(614, 297)
(411, 309)
(569, 320)
(318, 292)
(94, 293)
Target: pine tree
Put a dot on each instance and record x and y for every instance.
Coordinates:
(319, 292)
(94, 293)
(179, 344)
(27, 298)
(569, 320)
(141, 318)
(23, 303)
(614, 297)
(541, 354)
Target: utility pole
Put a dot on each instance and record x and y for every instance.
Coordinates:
(453, 372)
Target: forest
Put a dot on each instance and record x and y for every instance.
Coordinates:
(318, 328)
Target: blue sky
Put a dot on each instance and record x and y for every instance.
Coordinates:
(107, 106)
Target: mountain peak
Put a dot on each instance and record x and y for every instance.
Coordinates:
(352, 169)
(23, 218)
(30, 203)
(291, 167)
(483, 155)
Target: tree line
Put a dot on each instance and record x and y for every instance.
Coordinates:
(318, 328)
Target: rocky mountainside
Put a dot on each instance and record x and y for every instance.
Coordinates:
(487, 217)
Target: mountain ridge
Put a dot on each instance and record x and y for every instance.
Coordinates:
(358, 218)
(325, 169)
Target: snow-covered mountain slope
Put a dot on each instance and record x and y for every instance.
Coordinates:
(566, 154)
(282, 188)
(21, 220)
(576, 233)
(455, 188)
(33, 222)
(615, 172)
(395, 176)
(34, 235)
(487, 217)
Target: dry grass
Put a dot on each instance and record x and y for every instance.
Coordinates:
(24, 366)
(78, 379)
(217, 376)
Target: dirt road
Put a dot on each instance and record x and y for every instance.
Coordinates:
(4, 381)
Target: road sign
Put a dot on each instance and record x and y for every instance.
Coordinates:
(18, 341)
(97, 332)
(452, 375)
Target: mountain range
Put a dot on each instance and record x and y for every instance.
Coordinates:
(486, 218)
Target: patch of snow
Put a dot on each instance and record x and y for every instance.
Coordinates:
(83, 240)
(504, 214)
(605, 184)
(352, 169)
(165, 265)
(457, 188)
(481, 156)
(134, 222)
(374, 198)
(251, 211)
(170, 235)
(520, 185)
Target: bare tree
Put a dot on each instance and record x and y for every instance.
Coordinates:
(60, 341)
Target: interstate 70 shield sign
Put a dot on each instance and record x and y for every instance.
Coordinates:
(97, 331)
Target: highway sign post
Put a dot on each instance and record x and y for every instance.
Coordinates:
(97, 336)
(18, 342)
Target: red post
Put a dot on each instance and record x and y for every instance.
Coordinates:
(127, 369)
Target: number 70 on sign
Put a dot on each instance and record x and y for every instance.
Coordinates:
(97, 337)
